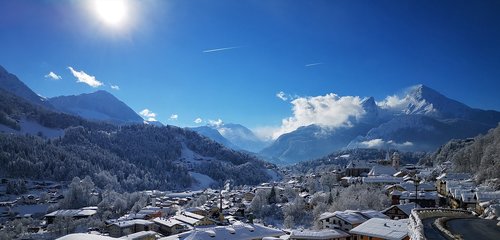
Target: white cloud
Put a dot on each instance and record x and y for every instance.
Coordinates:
(53, 76)
(380, 143)
(329, 111)
(115, 87)
(174, 117)
(281, 95)
(215, 123)
(374, 143)
(148, 115)
(394, 102)
(198, 120)
(85, 78)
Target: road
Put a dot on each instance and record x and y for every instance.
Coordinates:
(430, 231)
(474, 228)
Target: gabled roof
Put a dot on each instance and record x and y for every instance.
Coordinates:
(378, 170)
(383, 228)
(406, 208)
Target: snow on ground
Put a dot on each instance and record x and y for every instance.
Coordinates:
(33, 128)
(202, 181)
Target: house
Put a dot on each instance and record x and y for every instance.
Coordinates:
(343, 220)
(328, 234)
(484, 198)
(248, 196)
(238, 231)
(382, 179)
(401, 211)
(378, 170)
(377, 228)
(442, 179)
(122, 228)
(424, 199)
(73, 213)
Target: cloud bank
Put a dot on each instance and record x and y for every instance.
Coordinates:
(83, 77)
(174, 117)
(328, 111)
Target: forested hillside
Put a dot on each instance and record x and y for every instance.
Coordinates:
(126, 158)
(480, 155)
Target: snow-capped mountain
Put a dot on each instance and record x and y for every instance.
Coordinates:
(241, 136)
(213, 134)
(99, 105)
(421, 120)
(10, 83)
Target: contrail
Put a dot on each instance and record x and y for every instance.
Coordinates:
(220, 49)
(313, 64)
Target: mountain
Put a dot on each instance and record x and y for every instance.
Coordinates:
(100, 105)
(422, 120)
(10, 83)
(241, 136)
(213, 134)
(235, 136)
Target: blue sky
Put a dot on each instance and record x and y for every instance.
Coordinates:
(159, 54)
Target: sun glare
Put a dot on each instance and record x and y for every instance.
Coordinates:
(111, 12)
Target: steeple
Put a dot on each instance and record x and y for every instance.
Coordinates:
(395, 160)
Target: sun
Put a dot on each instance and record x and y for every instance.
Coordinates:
(111, 12)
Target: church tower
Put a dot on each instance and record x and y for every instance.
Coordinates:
(395, 160)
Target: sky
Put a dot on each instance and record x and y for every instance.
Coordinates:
(188, 62)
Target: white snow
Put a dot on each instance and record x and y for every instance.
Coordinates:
(33, 128)
(202, 181)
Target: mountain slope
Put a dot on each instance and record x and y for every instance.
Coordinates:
(10, 83)
(479, 156)
(99, 105)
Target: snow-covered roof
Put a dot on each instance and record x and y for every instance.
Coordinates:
(322, 234)
(487, 196)
(139, 235)
(421, 195)
(382, 228)
(186, 219)
(350, 216)
(235, 231)
(85, 236)
(193, 215)
(410, 186)
(378, 170)
(406, 208)
(72, 213)
(167, 222)
(382, 179)
(130, 223)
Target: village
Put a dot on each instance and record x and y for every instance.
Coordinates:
(396, 201)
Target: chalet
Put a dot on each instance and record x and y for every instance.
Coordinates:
(401, 211)
(122, 228)
(377, 228)
(343, 220)
(424, 199)
(328, 234)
